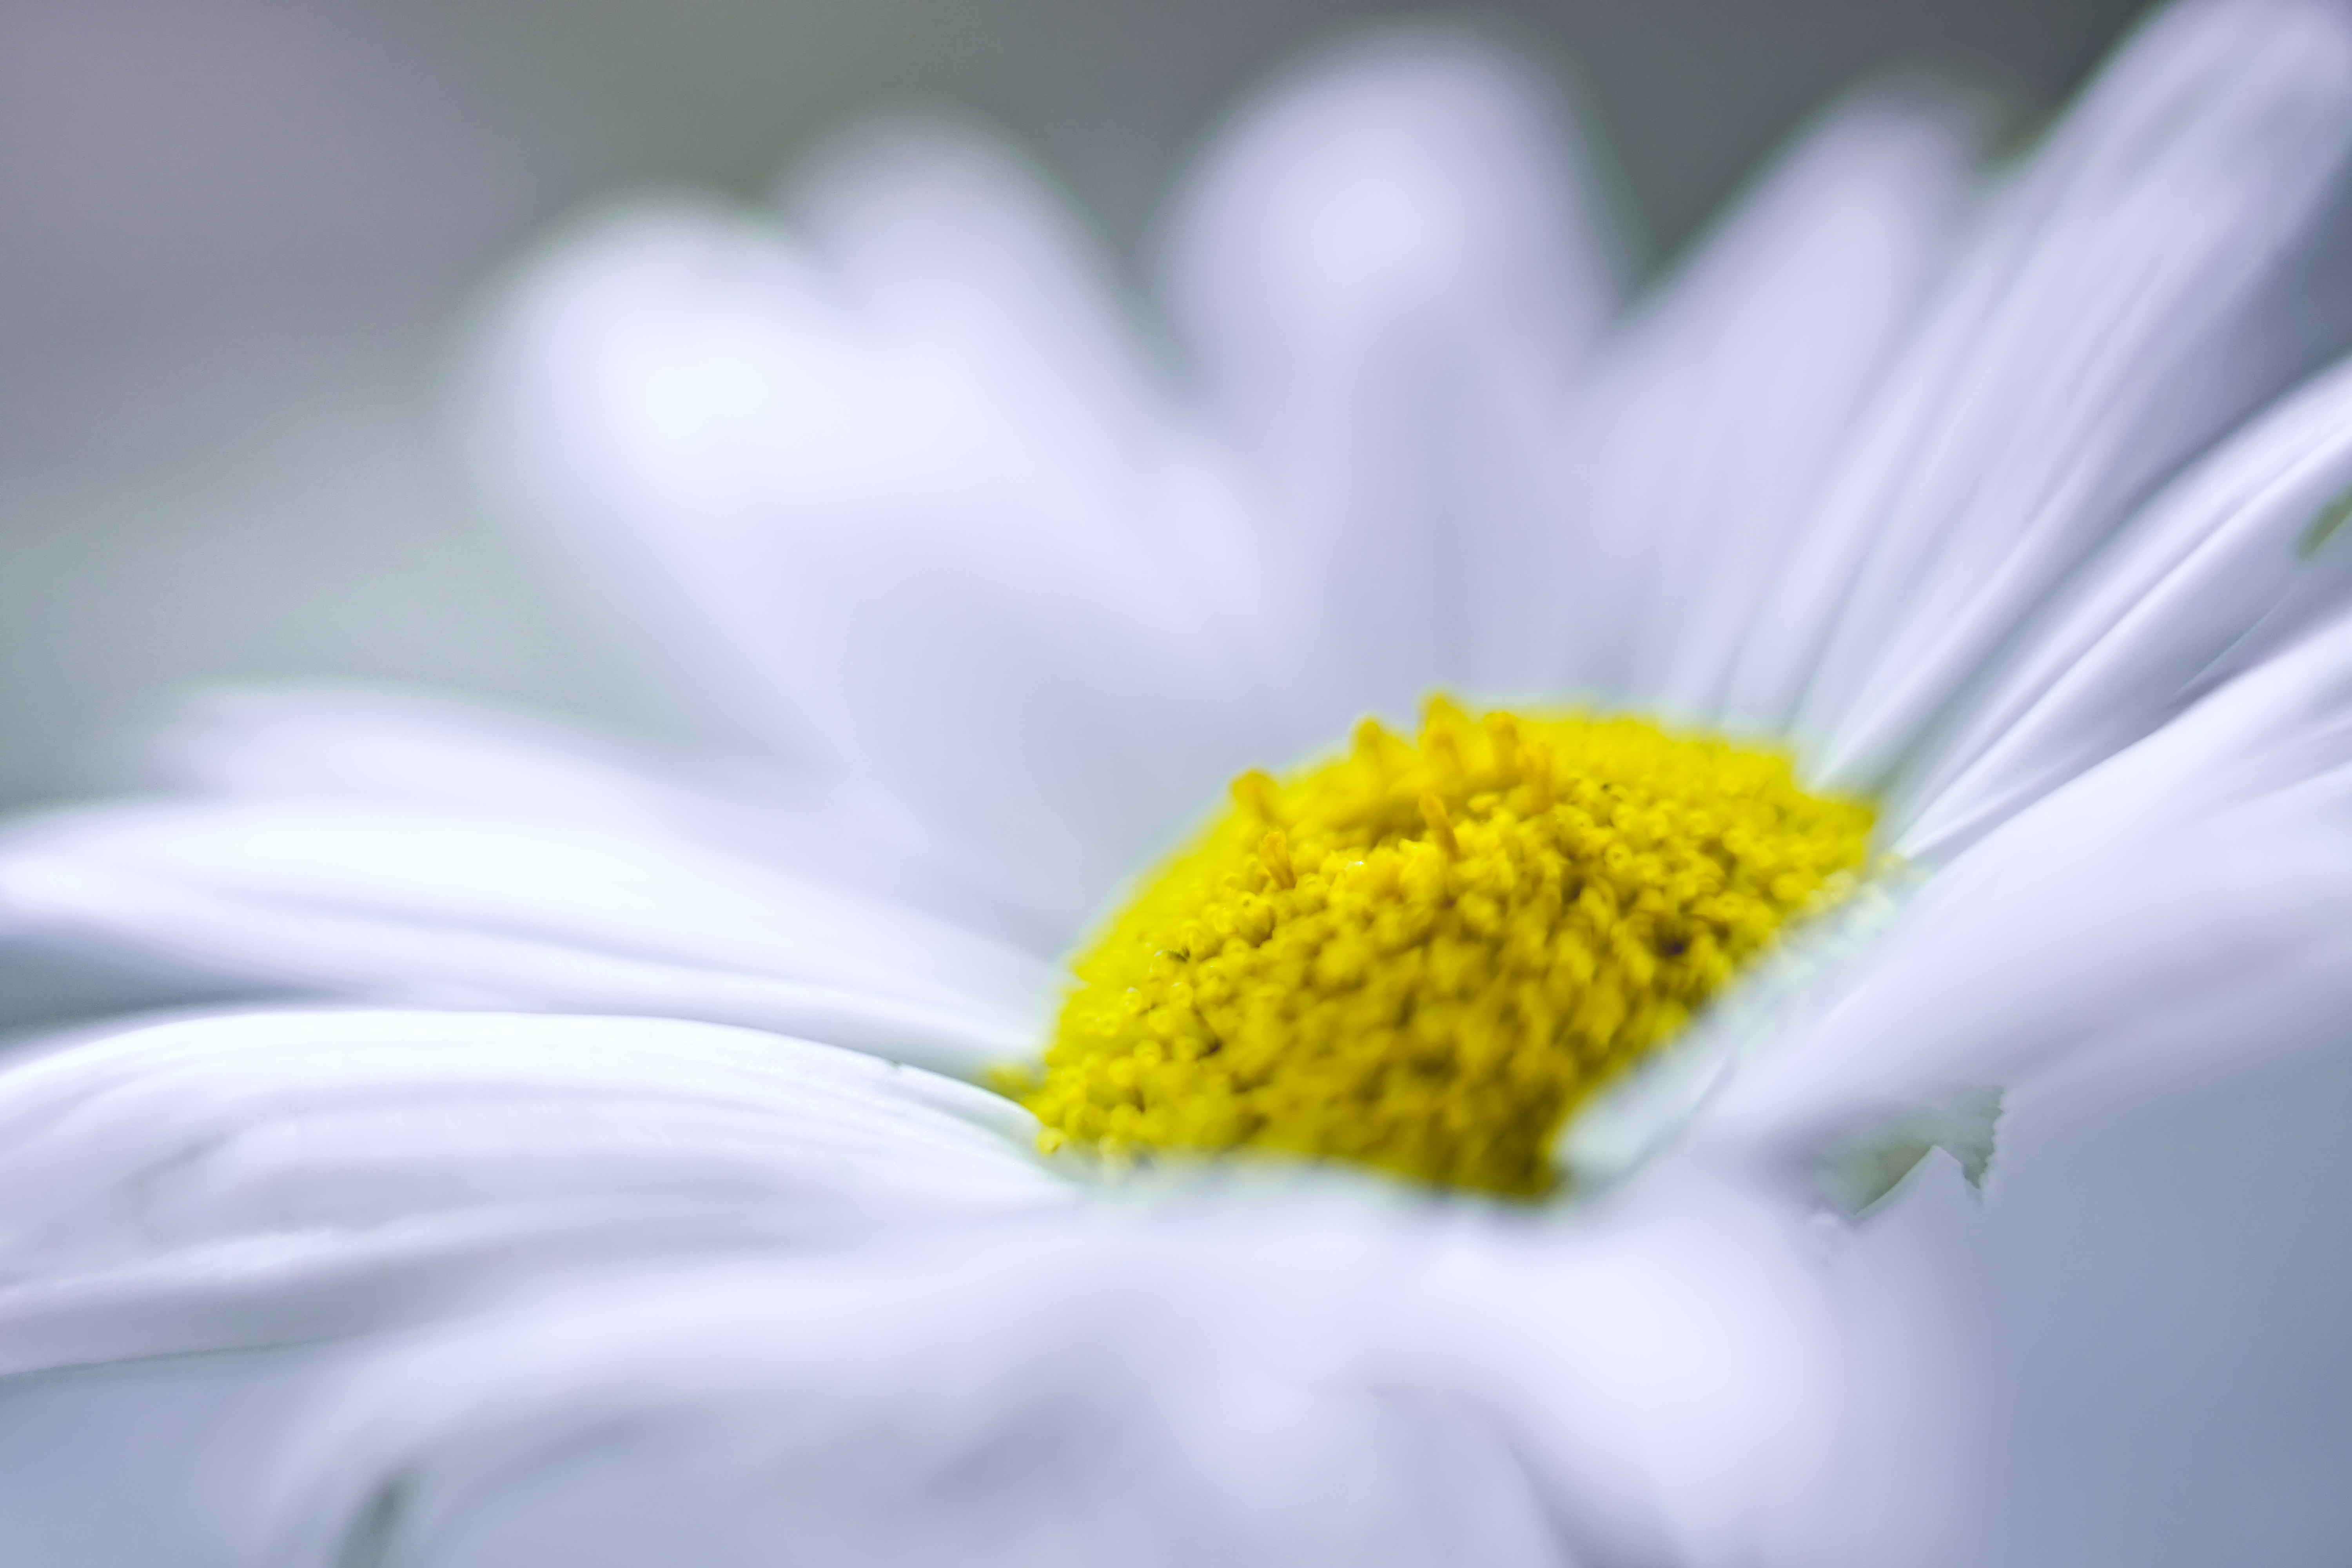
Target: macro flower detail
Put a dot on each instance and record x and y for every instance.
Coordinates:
(1425, 955)
(1904, 682)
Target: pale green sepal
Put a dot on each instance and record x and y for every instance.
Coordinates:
(1858, 1175)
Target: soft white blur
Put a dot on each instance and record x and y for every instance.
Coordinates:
(235, 240)
(236, 237)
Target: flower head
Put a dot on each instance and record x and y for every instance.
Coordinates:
(1914, 634)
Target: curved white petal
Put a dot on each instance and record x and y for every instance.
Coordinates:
(894, 500)
(427, 907)
(1655, 1388)
(935, 231)
(2096, 330)
(1388, 266)
(1708, 424)
(2242, 539)
(2173, 911)
(271, 1179)
(404, 749)
(1665, 1369)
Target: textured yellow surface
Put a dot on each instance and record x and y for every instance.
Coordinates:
(1424, 954)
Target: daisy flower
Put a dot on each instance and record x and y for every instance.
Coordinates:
(1889, 675)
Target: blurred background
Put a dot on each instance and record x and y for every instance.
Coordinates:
(237, 237)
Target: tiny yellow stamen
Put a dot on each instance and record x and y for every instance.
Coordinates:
(1426, 955)
(1274, 851)
(1535, 771)
(1432, 812)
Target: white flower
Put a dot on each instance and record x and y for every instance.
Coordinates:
(1976, 489)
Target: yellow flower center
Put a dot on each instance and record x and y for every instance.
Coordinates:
(1424, 957)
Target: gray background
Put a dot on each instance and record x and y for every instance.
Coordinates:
(236, 237)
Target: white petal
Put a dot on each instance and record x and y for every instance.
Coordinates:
(2143, 626)
(1708, 423)
(935, 232)
(1662, 1422)
(2105, 321)
(432, 907)
(346, 745)
(882, 501)
(1388, 266)
(1242, 1392)
(268, 1179)
(2175, 910)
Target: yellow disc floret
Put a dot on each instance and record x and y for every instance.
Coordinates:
(1424, 955)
